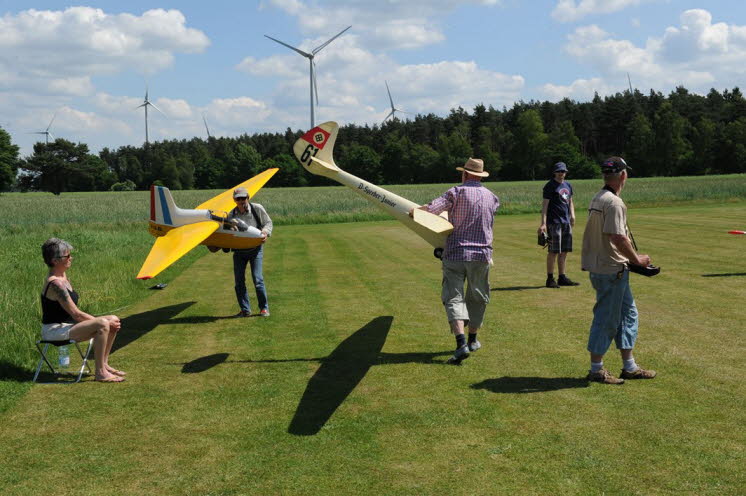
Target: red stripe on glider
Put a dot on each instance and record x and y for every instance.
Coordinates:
(152, 202)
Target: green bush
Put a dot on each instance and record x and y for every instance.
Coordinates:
(127, 185)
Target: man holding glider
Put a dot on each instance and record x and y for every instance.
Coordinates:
(252, 214)
(558, 219)
(607, 253)
(467, 255)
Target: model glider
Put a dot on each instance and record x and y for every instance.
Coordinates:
(179, 230)
(315, 150)
(736, 232)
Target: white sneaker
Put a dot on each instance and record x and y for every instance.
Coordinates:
(474, 346)
(459, 355)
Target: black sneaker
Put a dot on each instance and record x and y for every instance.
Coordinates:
(551, 283)
(565, 281)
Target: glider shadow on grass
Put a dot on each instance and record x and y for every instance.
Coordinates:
(338, 374)
(530, 384)
(136, 326)
(732, 274)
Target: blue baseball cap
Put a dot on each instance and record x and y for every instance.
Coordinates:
(560, 167)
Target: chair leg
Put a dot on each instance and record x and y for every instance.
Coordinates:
(83, 356)
(42, 360)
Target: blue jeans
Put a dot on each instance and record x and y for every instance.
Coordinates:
(614, 314)
(240, 260)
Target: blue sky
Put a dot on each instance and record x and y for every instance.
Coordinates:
(89, 64)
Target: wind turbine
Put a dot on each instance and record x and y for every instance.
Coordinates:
(312, 66)
(46, 132)
(394, 110)
(206, 128)
(147, 103)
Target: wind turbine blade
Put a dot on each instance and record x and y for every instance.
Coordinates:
(206, 128)
(50, 122)
(321, 47)
(159, 110)
(385, 118)
(315, 85)
(389, 92)
(51, 135)
(308, 55)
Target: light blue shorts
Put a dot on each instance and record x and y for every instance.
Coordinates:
(614, 314)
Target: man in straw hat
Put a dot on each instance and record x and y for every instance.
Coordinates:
(467, 255)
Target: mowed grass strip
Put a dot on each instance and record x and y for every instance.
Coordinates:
(344, 388)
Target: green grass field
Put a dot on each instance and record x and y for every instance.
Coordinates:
(344, 389)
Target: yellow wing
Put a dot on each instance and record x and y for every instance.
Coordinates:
(224, 201)
(174, 245)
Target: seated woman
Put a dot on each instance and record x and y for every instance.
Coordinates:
(61, 317)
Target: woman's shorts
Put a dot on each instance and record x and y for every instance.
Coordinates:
(56, 332)
(560, 238)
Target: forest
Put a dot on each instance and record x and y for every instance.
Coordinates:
(675, 135)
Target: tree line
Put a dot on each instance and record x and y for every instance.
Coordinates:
(679, 134)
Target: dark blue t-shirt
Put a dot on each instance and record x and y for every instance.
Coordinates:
(558, 194)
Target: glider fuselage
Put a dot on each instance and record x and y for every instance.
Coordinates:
(222, 238)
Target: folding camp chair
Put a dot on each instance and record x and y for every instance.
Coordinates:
(58, 373)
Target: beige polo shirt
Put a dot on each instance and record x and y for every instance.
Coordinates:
(607, 215)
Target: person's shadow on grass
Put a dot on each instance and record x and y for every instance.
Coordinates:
(338, 373)
(136, 326)
(530, 384)
(516, 288)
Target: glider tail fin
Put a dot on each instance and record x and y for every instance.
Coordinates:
(315, 149)
(162, 206)
(163, 209)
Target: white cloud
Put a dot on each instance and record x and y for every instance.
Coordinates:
(175, 109)
(580, 89)
(697, 54)
(351, 84)
(572, 10)
(81, 42)
(697, 37)
(395, 24)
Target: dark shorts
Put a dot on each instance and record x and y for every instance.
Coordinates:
(560, 238)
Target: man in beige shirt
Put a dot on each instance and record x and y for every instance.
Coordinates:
(607, 252)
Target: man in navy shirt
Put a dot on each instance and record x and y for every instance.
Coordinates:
(557, 219)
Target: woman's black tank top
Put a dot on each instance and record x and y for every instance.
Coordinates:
(51, 310)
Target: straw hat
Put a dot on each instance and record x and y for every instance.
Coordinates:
(475, 167)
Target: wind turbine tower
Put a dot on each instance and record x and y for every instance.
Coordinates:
(312, 65)
(147, 103)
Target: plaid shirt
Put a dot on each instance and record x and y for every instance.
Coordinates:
(471, 209)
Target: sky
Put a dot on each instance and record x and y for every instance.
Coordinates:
(87, 66)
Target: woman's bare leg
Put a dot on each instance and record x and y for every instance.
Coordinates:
(99, 330)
